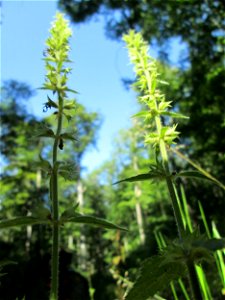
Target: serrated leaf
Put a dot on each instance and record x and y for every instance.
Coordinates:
(91, 220)
(21, 221)
(193, 174)
(142, 177)
(154, 276)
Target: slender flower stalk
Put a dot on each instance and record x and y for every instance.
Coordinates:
(147, 82)
(56, 56)
(56, 81)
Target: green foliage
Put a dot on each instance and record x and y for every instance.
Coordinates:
(142, 206)
(158, 272)
(155, 275)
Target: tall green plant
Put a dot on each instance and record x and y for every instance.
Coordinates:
(180, 256)
(56, 58)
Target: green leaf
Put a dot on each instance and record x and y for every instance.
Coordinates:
(156, 172)
(193, 174)
(91, 220)
(68, 117)
(69, 105)
(140, 177)
(210, 244)
(70, 90)
(154, 276)
(49, 104)
(21, 221)
(174, 115)
(141, 114)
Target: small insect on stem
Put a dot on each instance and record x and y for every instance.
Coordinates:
(61, 145)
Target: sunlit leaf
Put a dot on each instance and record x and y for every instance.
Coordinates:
(69, 105)
(174, 115)
(70, 90)
(141, 114)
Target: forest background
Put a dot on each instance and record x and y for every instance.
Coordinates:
(108, 260)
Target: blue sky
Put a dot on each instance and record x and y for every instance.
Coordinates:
(99, 64)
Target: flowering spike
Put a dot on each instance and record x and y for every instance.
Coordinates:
(147, 83)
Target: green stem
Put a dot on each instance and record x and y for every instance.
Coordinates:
(163, 151)
(175, 205)
(193, 279)
(55, 210)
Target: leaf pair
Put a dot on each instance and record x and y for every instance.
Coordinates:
(43, 216)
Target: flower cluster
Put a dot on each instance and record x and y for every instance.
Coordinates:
(147, 84)
(56, 55)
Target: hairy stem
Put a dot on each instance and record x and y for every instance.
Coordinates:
(55, 208)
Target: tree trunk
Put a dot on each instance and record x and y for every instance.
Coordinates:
(29, 227)
(139, 214)
(82, 245)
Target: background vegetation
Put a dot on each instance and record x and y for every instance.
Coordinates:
(106, 262)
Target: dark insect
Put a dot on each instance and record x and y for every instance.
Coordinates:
(46, 107)
(61, 144)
